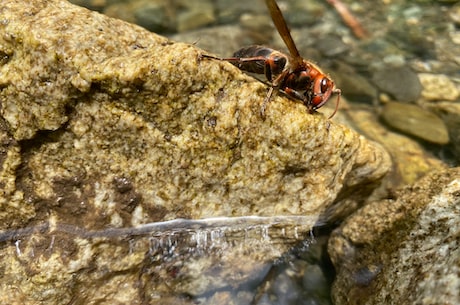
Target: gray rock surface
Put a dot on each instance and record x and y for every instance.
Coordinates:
(105, 125)
(400, 82)
(402, 251)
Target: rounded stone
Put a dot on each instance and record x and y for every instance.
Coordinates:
(415, 121)
(438, 87)
(400, 82)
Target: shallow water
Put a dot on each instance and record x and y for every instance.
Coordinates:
(268, 251)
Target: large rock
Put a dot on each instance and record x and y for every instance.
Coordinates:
(402, 251)
(105, 125)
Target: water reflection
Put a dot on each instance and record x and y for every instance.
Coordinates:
(239, 259)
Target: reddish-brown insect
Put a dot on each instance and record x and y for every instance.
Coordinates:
(292, 74)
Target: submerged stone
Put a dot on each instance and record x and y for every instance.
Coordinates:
(416, 121)
(400, 82)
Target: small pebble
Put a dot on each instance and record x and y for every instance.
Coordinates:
(153, 16)
(415, 121)
(196, 17)
(400, 82)
(257, 27)
(354, 86)
(331, 46)
(438, 87)
(454, 13)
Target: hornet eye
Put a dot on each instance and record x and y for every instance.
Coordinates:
(324, 85)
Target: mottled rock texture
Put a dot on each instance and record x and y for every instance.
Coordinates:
(104, 124)
(107, 112)
(402, 251)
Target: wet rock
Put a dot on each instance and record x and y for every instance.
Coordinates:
(152, 16)
(231, 11)
(354, 86)
(201, 259)
(454, 13)
(301, 13)
(257, 28)
(228, 36)
(400, 82)
(286, 286)
(157, 16)
(298, 280)
(197, 14)
(411, 161)
(404, 250)
(450, 113)
(104, 136)
(438, 87)
(331, 46)
(415, 121)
